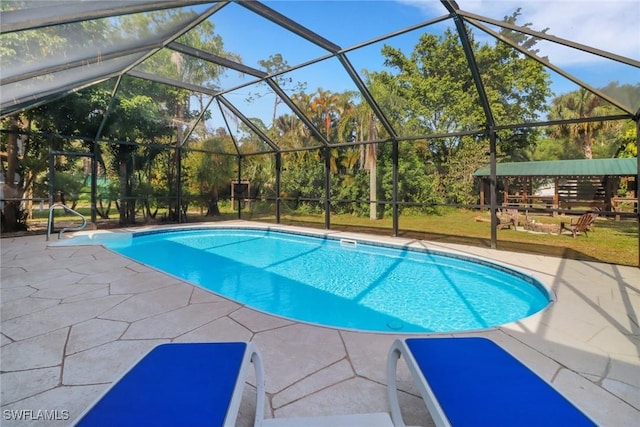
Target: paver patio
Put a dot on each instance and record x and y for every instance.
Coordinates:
(74, 318)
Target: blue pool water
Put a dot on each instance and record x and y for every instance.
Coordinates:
(339, 283)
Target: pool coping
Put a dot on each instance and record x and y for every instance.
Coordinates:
(397, 244)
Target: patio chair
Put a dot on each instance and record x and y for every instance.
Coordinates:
(189, 384)
(507, 218)
(582, 225)
(471, 381)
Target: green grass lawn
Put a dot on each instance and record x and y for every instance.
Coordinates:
(614, 242)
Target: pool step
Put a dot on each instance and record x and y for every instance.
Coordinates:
(378, 419)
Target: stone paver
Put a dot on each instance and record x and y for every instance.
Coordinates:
(223, 329)
(324, 378)
(57, 316)
(179, 321)
(294, 352)
(75, 318)
(93, 333)
(22, 384)
(356, 392)
(41, 351)
(147, 304)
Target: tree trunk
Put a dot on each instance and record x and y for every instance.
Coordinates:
(586, 145)
(213, 209)
(373, 193)
(371, 163)
(102, 211)
(122, 206)
(10, 190)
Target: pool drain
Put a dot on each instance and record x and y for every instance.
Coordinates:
(395, 325)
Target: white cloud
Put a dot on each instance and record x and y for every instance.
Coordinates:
(609, 25)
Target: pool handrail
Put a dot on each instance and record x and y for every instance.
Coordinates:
(67, 209)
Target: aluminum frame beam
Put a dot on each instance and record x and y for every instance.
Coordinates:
(216, 59)
(297, 111)
(173, 82)
(248, 123)
(90, 60)
(486, 106)
(289, 24)
(367, 95)
(551, 66)
(558, 40)
(74, 11)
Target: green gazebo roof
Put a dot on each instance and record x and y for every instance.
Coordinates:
(553, 168)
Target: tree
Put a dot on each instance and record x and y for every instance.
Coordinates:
(418, 181)
(24, 50)
(276, 65)
(360, 124)
(290, 132)
(324, 108)
(628, 141)
(599, 138)
(439, 96)
(164, 114)
(134, 119)
(211, 173)
(580, 104)
(303, 177)
(553, 148)
(12, 219)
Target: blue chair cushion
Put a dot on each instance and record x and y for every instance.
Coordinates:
(186, 384)
(477, 383)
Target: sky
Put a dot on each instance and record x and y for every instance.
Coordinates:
(610, 25)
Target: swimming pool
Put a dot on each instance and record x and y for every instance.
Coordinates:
(341, 283)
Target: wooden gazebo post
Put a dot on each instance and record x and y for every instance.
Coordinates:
(556, 195)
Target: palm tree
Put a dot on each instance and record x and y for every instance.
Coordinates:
(363, 123)
(324, 108)
(371, 163)
(577, 105)
(291, 131)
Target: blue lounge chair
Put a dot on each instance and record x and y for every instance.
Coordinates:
(181, 384)
(473, 382)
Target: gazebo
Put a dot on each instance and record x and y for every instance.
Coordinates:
(563, 184)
